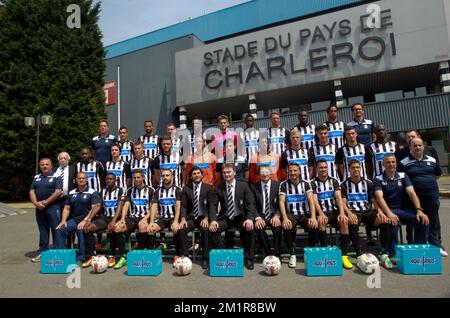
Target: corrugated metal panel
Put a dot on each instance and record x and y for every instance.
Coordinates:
(239, 18)
(431, 111)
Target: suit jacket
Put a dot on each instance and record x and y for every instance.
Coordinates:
(207, 201)
(72, 177)
(273, 198)
(243, 198)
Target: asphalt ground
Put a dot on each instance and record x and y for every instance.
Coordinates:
(21, 278)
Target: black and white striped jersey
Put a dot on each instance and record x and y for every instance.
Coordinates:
(111, 199)
(345, 154)
(126, 150)
(151, 146)
(144, 164)
(94, 171)
(336, 133)
(325, 191)
(327, 152)
(358, 195)
(277, 138)
(139, 200)
(299, 157)
(251, 140)
(166, 200)
(121, 170)
(174, 163)
(377, 152)
(296, 199)
(308, 133)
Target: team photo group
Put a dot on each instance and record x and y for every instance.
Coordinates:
(269, 184)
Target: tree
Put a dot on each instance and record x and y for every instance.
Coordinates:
(47, 67)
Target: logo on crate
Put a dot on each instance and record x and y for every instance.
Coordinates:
(142, 264)
(325, 263)
(423, 261)
(54, 262)
(227, 264)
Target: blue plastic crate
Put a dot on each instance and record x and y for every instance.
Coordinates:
(418, 259)
(323, 261)
(57, 261)
(144, 263)
(226, 263)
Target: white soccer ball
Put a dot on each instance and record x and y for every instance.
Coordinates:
(183, 266)
(368, 263)
(99, 264)
(272, 265)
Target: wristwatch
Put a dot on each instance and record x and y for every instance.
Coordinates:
(419, 209)
(86, 219)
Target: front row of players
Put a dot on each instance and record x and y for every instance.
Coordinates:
(267, 205)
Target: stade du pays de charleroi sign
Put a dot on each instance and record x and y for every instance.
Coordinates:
(300, 52)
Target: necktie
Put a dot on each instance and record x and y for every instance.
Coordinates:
(230, 202)
(196, 209)
(62, 174)
(267, 206)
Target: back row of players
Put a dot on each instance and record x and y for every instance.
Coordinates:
(280, 152)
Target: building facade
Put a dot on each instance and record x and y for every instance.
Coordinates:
(265, 55)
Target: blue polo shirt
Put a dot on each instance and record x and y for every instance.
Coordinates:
(393, 189)
(45, 186)
(102, 147)
(364, 130)
(81, 202)
(423, 175)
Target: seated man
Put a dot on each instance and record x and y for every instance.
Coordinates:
(266, 195)
(80, 203)
(360, 206)
(138, 203)
(390, 189)
(237, 210)
(112, 202)
(297, 207)
(329, 208)
(164, 212)
(198, 202)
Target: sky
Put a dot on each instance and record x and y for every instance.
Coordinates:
(124, 19)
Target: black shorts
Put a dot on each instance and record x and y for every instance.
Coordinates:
(164, 223)
(366, 217)
(299, 219)
(333, 219)
(132, 223)
(101, 223)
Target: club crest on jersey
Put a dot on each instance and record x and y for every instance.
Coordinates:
(85, 196)
(365, 126)
(399, 183)
(50, 180)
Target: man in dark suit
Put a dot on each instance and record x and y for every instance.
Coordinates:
(268, 215)
(198, 203)
(237, 210)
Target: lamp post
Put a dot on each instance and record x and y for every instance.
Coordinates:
(35, 123)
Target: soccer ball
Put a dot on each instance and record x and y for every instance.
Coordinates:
(99, 264)
(183, 266)
(272, 265)
(368, 263)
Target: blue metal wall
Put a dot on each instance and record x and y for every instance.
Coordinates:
(239, 18)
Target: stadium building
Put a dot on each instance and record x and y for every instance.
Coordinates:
(291, 55)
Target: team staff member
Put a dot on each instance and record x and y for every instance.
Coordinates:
(126, 145)
(360, 206)
(102, 143)
(266, 195)
(297, 207)
(329, 208)
(237, 210)
(306, 129)
(198, 201)
(336, 128)
(364, 127)
(164, 212)
(390, 189)
(120, 168)
(94, 169)
(67, 174)
(112, 202)
(80, 203)
(377, 150)
(424, 172)
(45, 190)
(405, 151)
